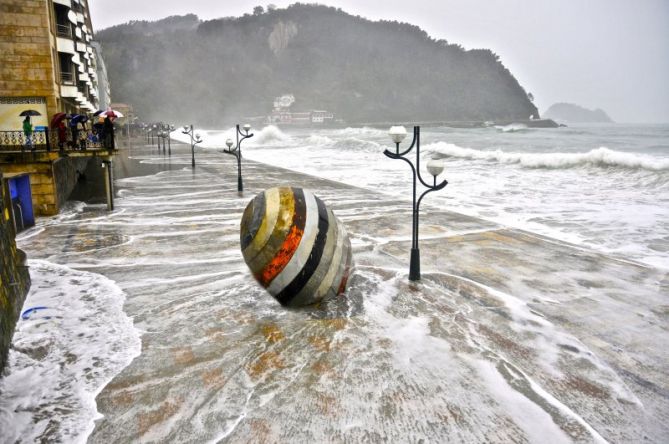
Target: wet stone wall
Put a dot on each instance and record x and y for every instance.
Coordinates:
(66, 172)
(14, 278)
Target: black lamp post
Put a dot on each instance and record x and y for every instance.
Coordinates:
(237, 152)
(434, 167)
(170, 128)
(194, 140)
(161, 138)
(164, 130)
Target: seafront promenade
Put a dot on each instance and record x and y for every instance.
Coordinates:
(499, 341)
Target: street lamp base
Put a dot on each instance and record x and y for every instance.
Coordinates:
(414, 265)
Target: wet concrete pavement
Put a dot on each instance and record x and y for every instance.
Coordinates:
(509, 336)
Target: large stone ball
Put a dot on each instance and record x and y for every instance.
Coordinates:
(295, 246)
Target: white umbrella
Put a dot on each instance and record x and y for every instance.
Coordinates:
(111, 113)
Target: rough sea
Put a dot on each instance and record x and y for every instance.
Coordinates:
(603, 186)
(154, 330)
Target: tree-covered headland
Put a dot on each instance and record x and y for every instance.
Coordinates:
(219, 71)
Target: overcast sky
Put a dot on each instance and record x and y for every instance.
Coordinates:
(609, 54)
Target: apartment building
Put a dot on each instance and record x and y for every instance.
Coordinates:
(47, 60)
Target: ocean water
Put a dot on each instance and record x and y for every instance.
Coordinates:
(602, 186)
(156, 332)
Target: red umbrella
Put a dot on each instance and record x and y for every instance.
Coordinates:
(57, 118)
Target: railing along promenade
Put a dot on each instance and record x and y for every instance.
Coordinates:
(45, 140)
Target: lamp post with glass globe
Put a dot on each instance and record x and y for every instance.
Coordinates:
(434, 167)
(237, 152)
(194, 140)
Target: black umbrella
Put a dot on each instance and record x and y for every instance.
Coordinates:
(98, 112)
(29, 112)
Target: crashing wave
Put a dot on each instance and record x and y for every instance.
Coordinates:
(600, 157)
(512, 128)
(268, 134)
(317, 140)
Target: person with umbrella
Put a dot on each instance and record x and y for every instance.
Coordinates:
(57, 121)
(109, 115)
(28, 132)
(81, 130)
(108, 129)
(62, 135)
(28, 126)
(78, 131)
(98, 129)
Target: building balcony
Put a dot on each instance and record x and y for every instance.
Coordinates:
(64, 31)
(69, 91)
(68, 78)
(65, 45)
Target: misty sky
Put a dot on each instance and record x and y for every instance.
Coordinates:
(609, 54)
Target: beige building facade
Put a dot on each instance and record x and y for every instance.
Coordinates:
(47, 61)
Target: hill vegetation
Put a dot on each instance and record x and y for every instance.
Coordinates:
(221, 70)
(568, 112)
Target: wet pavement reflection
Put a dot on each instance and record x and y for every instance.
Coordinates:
(508, 337)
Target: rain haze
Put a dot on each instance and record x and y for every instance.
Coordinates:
(604, 54)
(305, 291)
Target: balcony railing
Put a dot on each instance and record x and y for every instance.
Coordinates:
(64, 31)
(18, 141)
(48, 140)
(67, 78)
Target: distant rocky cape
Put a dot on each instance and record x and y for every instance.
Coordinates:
(219, 71)
(568, 112)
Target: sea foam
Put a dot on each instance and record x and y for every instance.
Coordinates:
(63, 355)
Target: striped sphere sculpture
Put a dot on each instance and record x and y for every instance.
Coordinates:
(295, 246)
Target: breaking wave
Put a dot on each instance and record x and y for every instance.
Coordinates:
(512, 128)
(319, 140)
(600, 157)
(269, 134)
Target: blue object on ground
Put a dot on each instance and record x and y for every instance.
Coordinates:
(26, 314)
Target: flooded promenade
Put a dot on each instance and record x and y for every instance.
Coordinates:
(508, 337)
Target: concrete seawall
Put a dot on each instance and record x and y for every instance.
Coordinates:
(53, 177)
(14, 279)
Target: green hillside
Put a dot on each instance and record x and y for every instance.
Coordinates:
(218, 71)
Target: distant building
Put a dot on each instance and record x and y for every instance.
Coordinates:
(282, 114)
(47, 60)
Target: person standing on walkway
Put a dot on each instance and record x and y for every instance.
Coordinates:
(99, 130)
(62, 135)
(108, 128)
(82, 133)
(28, 132)
(75, 134)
